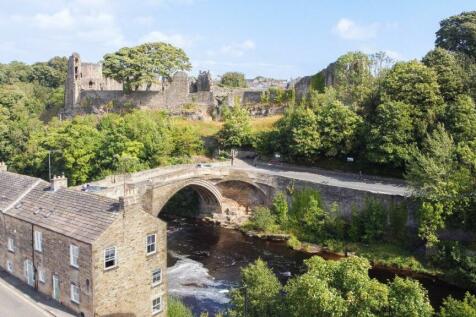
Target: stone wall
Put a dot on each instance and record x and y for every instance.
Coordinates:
(130, 282)
(53, 260)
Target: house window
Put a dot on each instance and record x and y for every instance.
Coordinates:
(41, 276)
(110, 258)
(74, 293)
(38, 241)
(11, 245)
(157, 305)
(151, 241)
(156, 277)
(9, 266)
(73, 255)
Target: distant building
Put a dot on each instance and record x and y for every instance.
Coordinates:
(95, 255)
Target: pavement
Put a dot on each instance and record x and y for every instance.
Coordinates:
(373, 184)
(20, 300)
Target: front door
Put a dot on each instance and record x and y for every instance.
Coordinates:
(29, 273)
(56, 288)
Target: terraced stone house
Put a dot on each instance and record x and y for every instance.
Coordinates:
(95, 255)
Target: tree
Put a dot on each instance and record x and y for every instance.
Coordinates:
(337, 125)
(448, 70)
(390, 134)
(454, 308)
(442, 183)
(236, 130)
(461, 119)
(408, 298)
(259, 292)
(458, 33)
(298, 134)
(234, 80)
(144, 64)
(46, 75)
(415, 84)
(353, 79)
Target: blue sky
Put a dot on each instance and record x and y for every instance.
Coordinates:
(281, 39)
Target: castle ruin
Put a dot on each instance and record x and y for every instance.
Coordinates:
(87, 90)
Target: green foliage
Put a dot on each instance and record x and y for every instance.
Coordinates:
(390, 134)
(142, 65)
(307, 212)
(369, 224)
(415, 84)
(353, 79)
(458, 33)
(460, 119)
(455, 308)
(260, 289)
(175, 308)
(329, 288)
(448, 70)
(337, 126)
(262, 220)
(280, 208)
(458, 263)
(318, 82)
(87, 148)
(234, 80)
(236, 130)
(442, 182)
(408, 298)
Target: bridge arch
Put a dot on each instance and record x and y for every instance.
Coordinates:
(243, 191)
(211, 200)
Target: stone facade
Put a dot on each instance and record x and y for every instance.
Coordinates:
(88, 91)
(71, 225)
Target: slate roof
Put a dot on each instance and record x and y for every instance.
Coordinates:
(79, 215)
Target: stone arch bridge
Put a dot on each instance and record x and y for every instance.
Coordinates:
(229, 193)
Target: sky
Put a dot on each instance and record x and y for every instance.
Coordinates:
(274, 38)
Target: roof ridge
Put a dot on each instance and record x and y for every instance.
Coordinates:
(26, 192)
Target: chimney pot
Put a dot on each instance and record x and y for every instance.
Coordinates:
(58, 182)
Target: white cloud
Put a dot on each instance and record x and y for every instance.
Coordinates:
(174, 39)
(236, 49)
(59, 20)
(350, 30)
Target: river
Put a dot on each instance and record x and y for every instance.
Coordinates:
(204, 263)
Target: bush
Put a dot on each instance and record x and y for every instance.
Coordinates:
(176, 308)
(233, 79)
(369, 224)
(455, 308)
(263, 220)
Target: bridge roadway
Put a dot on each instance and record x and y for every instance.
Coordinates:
(372, 184)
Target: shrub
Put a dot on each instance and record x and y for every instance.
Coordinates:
(455, 308)
(176, 308)
(263, 220)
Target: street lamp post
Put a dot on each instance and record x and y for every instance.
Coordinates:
(49, 162)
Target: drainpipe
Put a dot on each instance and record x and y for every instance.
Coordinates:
(35, 271)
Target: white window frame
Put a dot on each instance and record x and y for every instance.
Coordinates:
(154, 272)
(155, 309)
(106, 259)
(10, 266)
(74, 293)
(74, 256)
(154, 244)
(11, 244)
(41, 276)
(38, 241)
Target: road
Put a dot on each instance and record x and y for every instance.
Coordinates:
(13, 304)
(376, 185)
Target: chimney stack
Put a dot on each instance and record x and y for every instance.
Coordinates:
(3, 167)
(58, 182)
(130, 198)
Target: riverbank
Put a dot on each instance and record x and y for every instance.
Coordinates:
(383, 255)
